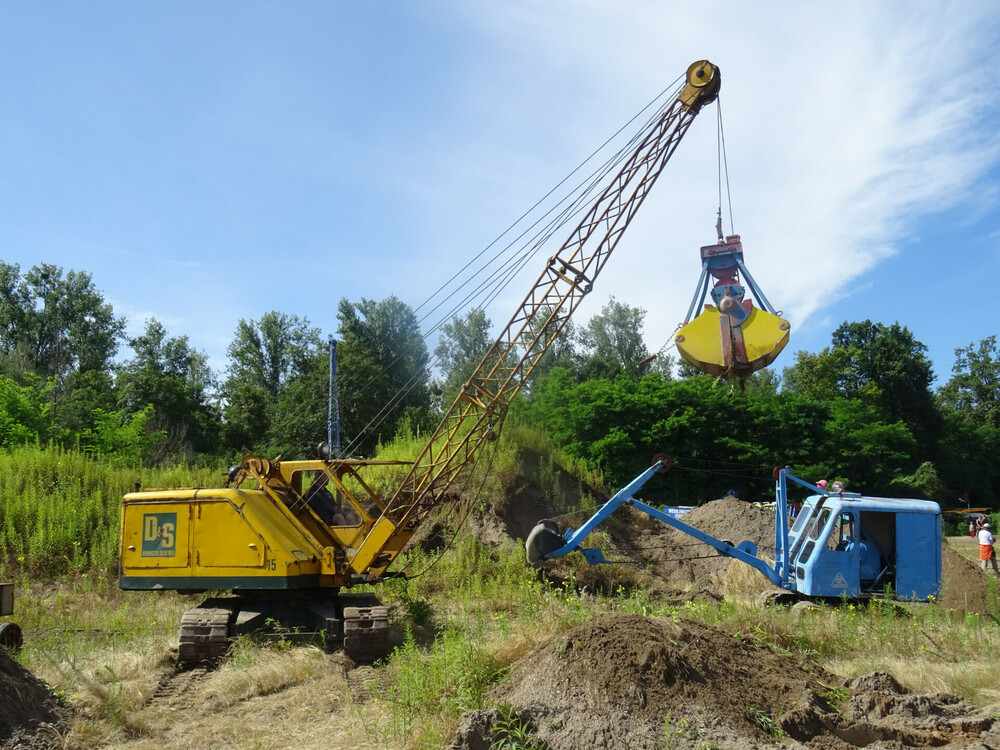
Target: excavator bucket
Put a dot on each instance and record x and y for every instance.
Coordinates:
(716, 347)
(730, 337)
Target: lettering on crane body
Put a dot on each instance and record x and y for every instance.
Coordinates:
(159, 534)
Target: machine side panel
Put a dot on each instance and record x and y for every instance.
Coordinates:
(155, 537)
(224, 539)
(918, 556)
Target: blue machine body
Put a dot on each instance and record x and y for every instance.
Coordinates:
(841, 544)
(846, 544)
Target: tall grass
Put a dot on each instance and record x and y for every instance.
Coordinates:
(60, 508)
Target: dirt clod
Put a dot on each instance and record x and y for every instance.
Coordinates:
(27, 704)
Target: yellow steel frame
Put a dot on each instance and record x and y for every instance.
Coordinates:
(568, 276)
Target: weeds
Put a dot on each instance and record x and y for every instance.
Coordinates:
(763, 718)
(60, 509)
(672, 731)
(512, 732)
(833, 696)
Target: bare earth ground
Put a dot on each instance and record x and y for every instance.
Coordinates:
(612, 681)
(617, 681)
(25, 702)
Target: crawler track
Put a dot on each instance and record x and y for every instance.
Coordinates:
(204, 636)
(174, 685)
(366, 630)
(357, 622)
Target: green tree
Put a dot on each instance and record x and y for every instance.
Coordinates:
(82, 394)
(887, 367)
(122, 439)
(264, 357)
(561, 351)
(462, 345)
(176, 380)
(384, 360)
(974, 389)
(869, 453)
(687, 370)
(269, 352)
(26, 412)
(612, 342)
(247, 418)
(881, 366)
(51, 324)
(818, 376)
(299, 421)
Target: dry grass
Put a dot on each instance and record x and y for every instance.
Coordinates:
(973, 680)
(263, 697)
(262, 671)
(741, 583)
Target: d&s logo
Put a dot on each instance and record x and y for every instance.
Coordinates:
(159, 534)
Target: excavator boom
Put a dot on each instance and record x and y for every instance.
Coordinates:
(568, 276)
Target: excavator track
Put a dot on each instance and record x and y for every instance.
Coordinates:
(204, 636)
(175, 686)
(366, 627)
(205, 631)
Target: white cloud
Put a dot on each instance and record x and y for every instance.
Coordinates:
(845, 124)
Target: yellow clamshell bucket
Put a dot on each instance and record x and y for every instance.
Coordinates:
(730, 337)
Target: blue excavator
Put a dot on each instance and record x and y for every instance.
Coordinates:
(841, 544)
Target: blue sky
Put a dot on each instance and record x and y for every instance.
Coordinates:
(207, 162)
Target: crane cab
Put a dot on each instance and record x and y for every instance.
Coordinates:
(862, 547)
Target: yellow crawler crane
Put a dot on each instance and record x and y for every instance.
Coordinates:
(283, 551)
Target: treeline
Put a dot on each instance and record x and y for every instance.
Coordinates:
(862, 410)
(62, 382)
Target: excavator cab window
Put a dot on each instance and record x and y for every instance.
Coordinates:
(331, 509)
(814, 534)
(802, 518)
(844, 533)
(819, 524)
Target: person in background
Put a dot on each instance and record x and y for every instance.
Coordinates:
(986, 553)
(972, 528)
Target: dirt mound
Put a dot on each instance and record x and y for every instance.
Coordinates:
(637, 682)
(686, 562)
(963, 583)
(27, 701)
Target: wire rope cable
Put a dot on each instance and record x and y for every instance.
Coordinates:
(489, 289)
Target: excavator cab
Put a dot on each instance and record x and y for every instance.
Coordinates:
(730, 336)
(859, 547)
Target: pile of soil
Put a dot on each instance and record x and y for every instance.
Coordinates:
(649, 683)
(963, 583)
(27, 702)
(684, 561)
